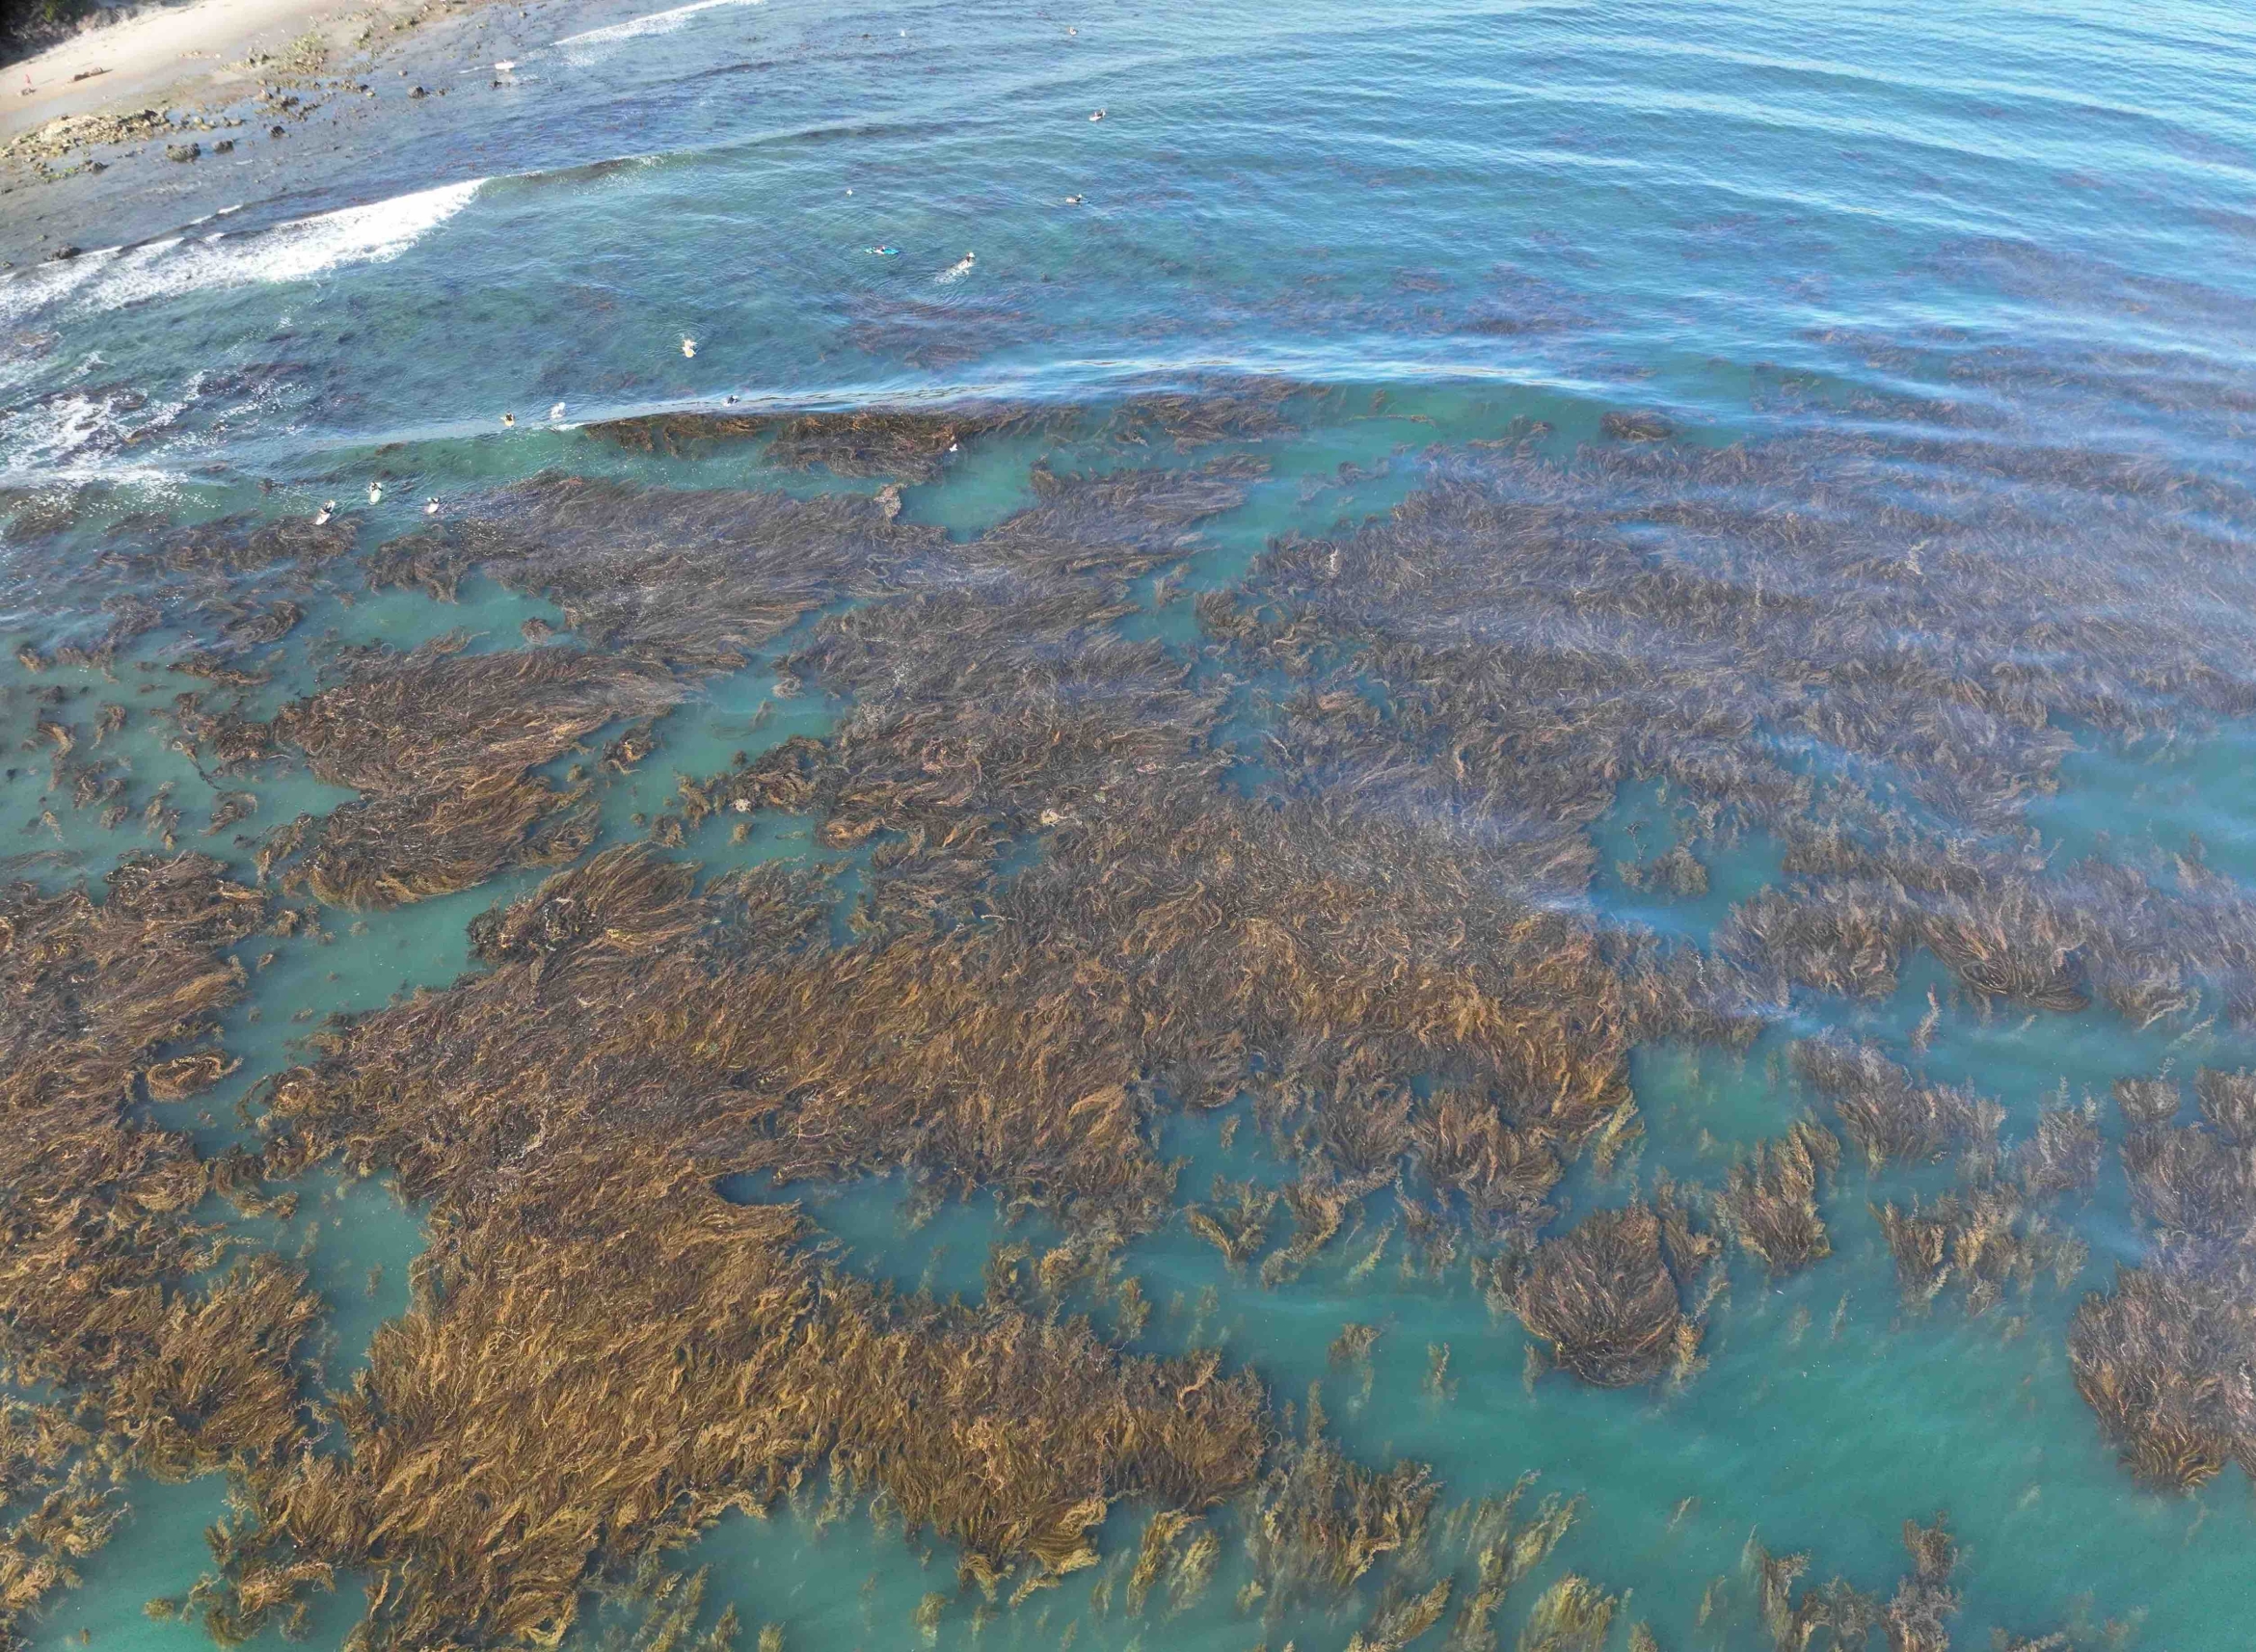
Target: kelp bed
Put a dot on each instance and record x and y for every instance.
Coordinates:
(1103, 842)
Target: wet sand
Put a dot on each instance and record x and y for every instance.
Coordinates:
(192, 55)
(293, 103)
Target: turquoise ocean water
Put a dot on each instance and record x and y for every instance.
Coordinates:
(1445, 220)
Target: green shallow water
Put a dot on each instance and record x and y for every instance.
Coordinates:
(1970, 245)
(1826, 1415)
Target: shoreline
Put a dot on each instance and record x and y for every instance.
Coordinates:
(196, 55)
(208, 106)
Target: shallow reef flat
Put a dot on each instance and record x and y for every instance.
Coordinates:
(1201, 900)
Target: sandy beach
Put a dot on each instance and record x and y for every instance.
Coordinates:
(193, 55)
(205, 107)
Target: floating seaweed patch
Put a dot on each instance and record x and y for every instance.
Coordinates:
(1316, 1522)
(1889, 1113)
(1236, 1221)
(695, 579)
(1521, 634)
(908, 444)
(2063, 1156)
(442, 746)
(585, 1238)
(217, 577)
(1608, 1298)
(2159, 1357)
(154, 1355)
(705, 1363)
(1678, 872)
(1770, 1203)
(1983, 1239)
(1090, 896)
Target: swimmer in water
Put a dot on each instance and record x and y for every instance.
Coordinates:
(882, 252)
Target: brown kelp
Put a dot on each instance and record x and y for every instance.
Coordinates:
(1100, 972)
(1316, 1521)
(1002, 707)
(1915, 1617)
(112, 1293)
(695, 579)
(441, 745)
(1770, 1202)
(1983, 1239)
(219, 581)
(1607, 1297)
(627, 1355)
(1504, 1552)
(1332, 854)
(908, 444)
(1523, 634)
(583, 1263)
(1886, 1111)
(911, 443)
(2161, 1356)
(1839, 1616)
(1986, 1235)
(2063, 1156)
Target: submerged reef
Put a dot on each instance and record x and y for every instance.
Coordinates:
(1104, 837)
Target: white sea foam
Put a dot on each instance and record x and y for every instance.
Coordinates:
(656, 23)
(297, 251)
(79, 434)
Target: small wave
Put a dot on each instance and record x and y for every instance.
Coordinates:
(656, 23)
(292, 251)
(81, 435)
(118, 433)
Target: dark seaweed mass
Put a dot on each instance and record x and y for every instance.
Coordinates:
(1329, 848)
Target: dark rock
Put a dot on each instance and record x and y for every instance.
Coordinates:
(224, 146)
(1636, 426)
(62, 254)
(183, 151)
